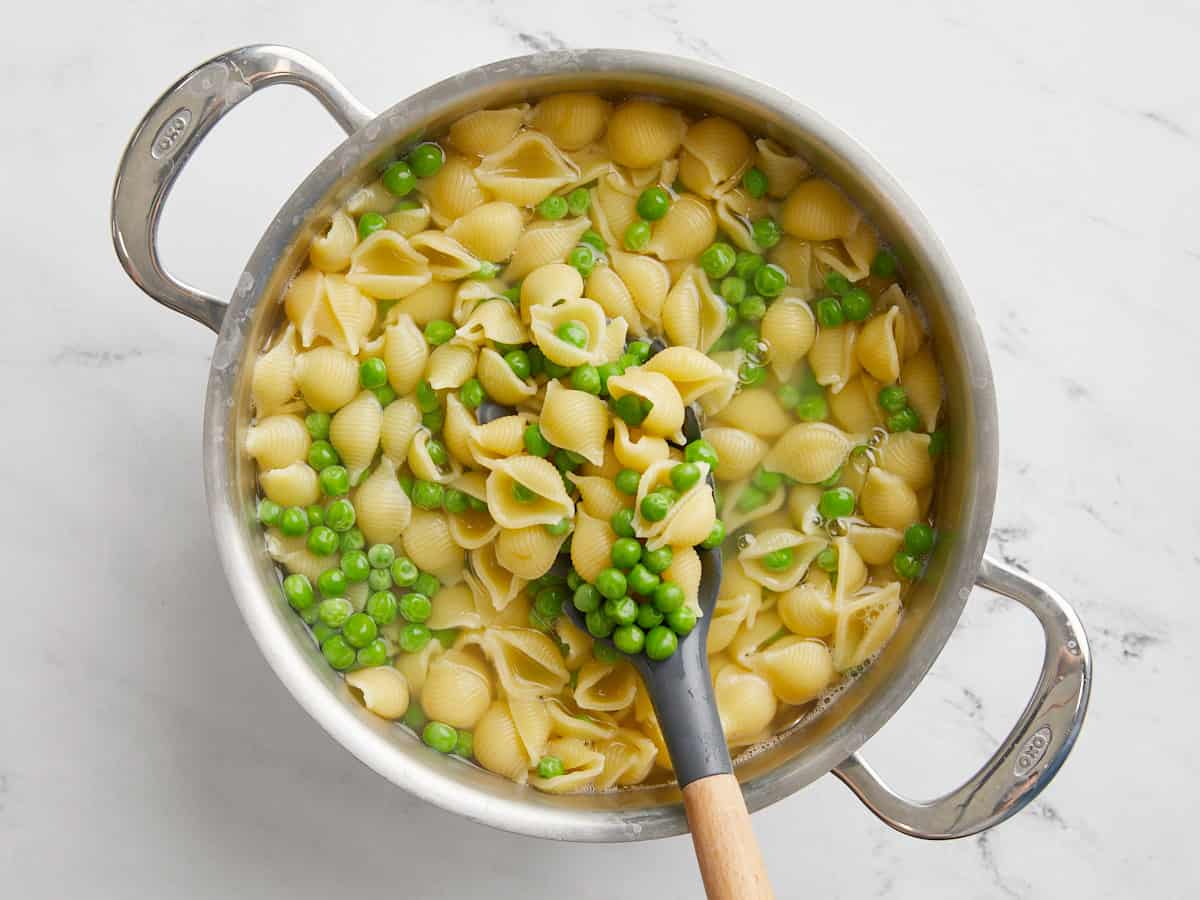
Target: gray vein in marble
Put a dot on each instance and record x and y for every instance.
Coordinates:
(1005, 537)
(543, 40)
(667, 13)
(1133, 644)
(93, 358)
(987, 857)
(970, 704)
(1169, 125)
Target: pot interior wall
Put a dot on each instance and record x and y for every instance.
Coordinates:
(964, 497)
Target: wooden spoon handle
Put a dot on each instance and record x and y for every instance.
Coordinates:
(726, 849)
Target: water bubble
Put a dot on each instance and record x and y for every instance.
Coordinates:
(837, 527)
(878, 436)
(763, 349)
(745, 541)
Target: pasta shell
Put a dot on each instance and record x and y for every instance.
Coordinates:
(473, 528)
(807, 611)
(413, 219)
(736, 211)
(642, 133)
(789, 329)
(458, 689)
(405, 354)
(331, 251)
(495, 583)
(615, 207)
(757, 411)
(739, 451)
(548, 284)
(448, 260)
(527, 662)
(606, 288)
(386, 266)
(599, 496)
(453, 191)
(734, 515)
(804, 550)
(687, 229)
(815, 210)
(490, 231)
(528, 552)
(497, 440)
(279, 441)
(876, 546)
(450, 365)
(852, 254)
(887, 501)
(294, 485)
(401, 419)
(415, 666)
(906, 454)
(434, 301)
(591, 547)
(572, 120)
(803, 500)
(428, 543)
(500, 382)
(575, 421)
(494, 320)
(606, 687)
(877, 347)
(690, 519)
(628, 758)
(635, 450)
(455, 607)
(798, 669)
(581, 764)
(833, 358)
(919, 377)
(856, 407)
(374, 197)
(381, 689)
(421, 463)
(745, 703)
(797, 259)
(543, 243)
(355, 431)
(783, 170)
(384, 510)
(526, 171)
(546, 320)
(273, 382)
(865, 625)
(686, 570)
(665, 418)
(487, 130)
(549, 505)
(715, 151)
(809, 452)
(327, 378)
(694, 315)
(497, 745)
(648, 282)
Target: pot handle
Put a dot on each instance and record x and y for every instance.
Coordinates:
(171, 131)
(1033, 751)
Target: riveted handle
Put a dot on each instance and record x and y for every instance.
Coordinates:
(1033, 751)
(171, 131)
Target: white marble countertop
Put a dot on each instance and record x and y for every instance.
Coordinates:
(147, 751)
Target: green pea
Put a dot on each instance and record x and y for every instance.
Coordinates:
(605, 652)
(657, 561)
(338, 653)
(550, 767)
(582, 259)
(414, 717)
(359, 630)
(750, 375)
(352, 539)
(837, 283)
(621, 610)
(654, 507)
(476, 504)
(642, 580)
(661, 643)
(438, 332)
(317, 424)
(586, 598)
(574, 580)
(535, 443)
(685, 476)
(918, 539)
(627, 481)
(812, 408)
(752, 308)
(653, 203)
(374, 654)
(606, 371)
(857, 304)
(322, 540)
(369, 223)
(334, 611)
(437, 453)
(427, 398)
(427, 584)
(552, 208)
(629, 639)
(733, 290)
(789, 396)
(639, 351)
(766, 481)
(385, 395)
(415, 607)
(440, 736)
(355, 566)
(594, 240)
(427, 494)
(937, 443)
(320, 631)
(522, 494)
(716, 537)
(403, 572)
(465, 745)
(293, 521)
(751, 498)
(549, 601)
(454, 501)
(578, 201)
(766, 233)
(622, 522)
(269, 511)
(380, 556)
(382, 607)
(625, 553)
(884, 264)
(372, 373)
(906, 565)
(668, 596)
(399, 179)
(611, 584)
(770, 281)
(827, 559)
(893, 398)
(637, 236)
(299, 591)
(413, 637)
(778, 560)
(586, 378)
(553, 369)
(321, 455)
(434, 421)
(830, 313)
(426, 159)
(512, 295)
(747, 265)
(559, 528)
(340, 516)
(701, 451)
(682, 620)
(471, 394)
(379, 579)
(754, 180)
(628, 409)
(406, 484)
(486, 271)
(905, 420)
(648, 617)
(334, 481)
(836, 503)
(316, 515)
(717, 261)
(598, 624)
(748, 339)
(333, 583)
(573, 333)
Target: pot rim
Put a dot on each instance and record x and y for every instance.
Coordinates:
(430, 779)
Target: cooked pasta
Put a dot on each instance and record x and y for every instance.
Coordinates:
(474, 407)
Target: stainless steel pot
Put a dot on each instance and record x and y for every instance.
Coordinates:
(1031, 753)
